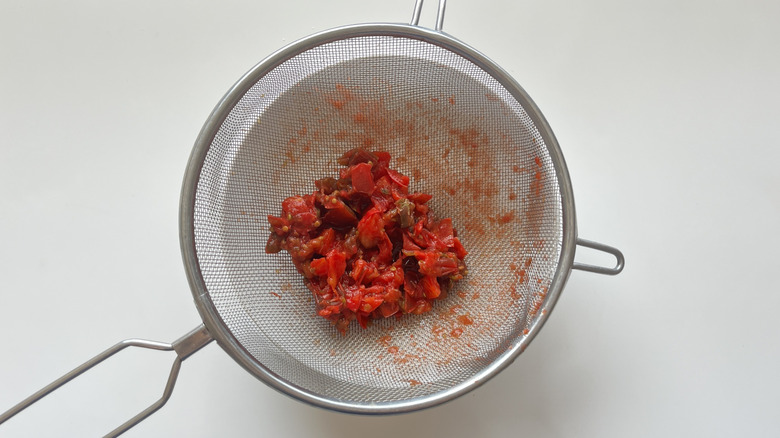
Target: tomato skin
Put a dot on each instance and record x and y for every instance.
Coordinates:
(398, 178)
(337, 264)
(363, 272)
(300, 212)
(389, 309)
(371, 228)
(353, 297)
(436, 264)
(273, 245)
(338, 213)
(319, 267)
(419, 198)
(460, 251)
(362, 179)
(372, 299)
(278, 224)
(430, 287)
(365, 246)
(383, 159)
(357, 155)
(324, 243)
(444, 232)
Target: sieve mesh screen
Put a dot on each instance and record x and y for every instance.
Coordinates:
(458, 134)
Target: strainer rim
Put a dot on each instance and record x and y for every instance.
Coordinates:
(209, 314)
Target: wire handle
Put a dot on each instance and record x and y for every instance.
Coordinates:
(439, 15)
(184, 348)
(600, 269)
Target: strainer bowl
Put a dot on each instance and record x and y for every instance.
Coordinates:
(462, 129)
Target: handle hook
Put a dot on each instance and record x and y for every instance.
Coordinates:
(184, 347)
(439, 15)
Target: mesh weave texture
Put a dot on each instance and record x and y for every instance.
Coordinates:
(458, 134)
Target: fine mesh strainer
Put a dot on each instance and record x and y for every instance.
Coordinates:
(462, 129)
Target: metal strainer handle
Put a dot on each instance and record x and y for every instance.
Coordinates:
(600, 269)
(184, 348)
(439, 15)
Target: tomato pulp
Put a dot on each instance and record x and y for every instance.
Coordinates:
(368, 248)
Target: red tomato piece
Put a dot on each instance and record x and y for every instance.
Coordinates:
(392, 294)
(436, 263)
(362, 179)
(389, 309)
(338, 213)
(409, 244)
(372, 298)
(385, 256)
(363, 272)
(444, 232)
(371, 228)
(324, 243)
(430, 287)
(412, 288)
(319, 267)
(353, 295)
(337, 264)
(358, 155)
(460, 251)
(300, 212)
(365, 246)
(420, 307)
(383, 158)
(419, 198)
(278, 224)
(398, 178)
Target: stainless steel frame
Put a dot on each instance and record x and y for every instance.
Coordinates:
(206, 307)
(214, 328)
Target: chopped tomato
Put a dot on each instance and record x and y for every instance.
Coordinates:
(437, 264)
(362, 180)
(356, 156)
(353, 297)
(398, 178)
(431, 287)
(281, 226)
(444, 232)
(338, 213)
(300, 212)
(371, 228)
(460, 251)
(337, 264)
(389, 309)
(319, 266)
(419, 198)
(367, 248)
(324, 243)
(370, 302)
(363, 272)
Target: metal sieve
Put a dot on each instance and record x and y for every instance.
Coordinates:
(462, 129)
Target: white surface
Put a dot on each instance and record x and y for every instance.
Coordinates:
(667, 113)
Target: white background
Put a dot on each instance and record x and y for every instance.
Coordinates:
(666, 111)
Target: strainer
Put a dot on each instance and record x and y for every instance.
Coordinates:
(462, 129)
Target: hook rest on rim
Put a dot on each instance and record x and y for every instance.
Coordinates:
(439, 15)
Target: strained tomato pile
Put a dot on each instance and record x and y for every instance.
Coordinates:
(368, 248)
